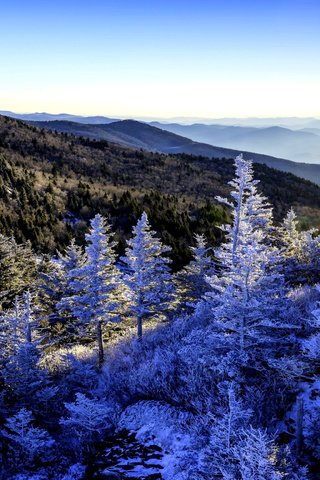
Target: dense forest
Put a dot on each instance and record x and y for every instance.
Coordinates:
(52, 184)
(116, 365)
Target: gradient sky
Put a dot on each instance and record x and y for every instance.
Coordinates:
(161, 58)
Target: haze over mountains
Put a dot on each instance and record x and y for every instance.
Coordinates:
(301, 145)
(140, 135)
(294, 123)
(296, 139)
(272, 145)
(47, 117)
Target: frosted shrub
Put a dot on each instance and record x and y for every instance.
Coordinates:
(26, 441)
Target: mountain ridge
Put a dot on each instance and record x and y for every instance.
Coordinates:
(302, 146)
(135, 134)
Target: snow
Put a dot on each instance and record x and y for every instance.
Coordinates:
(168, 427)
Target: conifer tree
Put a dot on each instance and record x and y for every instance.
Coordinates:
(17, 269)
(18, 325)
(54, 284)
(26, 441)
(300, 251)
(96, 284)
(246, 259)
(149, 280)
(191, 280)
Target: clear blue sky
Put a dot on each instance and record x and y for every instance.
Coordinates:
(161, 58)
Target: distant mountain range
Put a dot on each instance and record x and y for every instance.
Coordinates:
(294, 123)
(147, 137)
(297, 145)
(292, 138)
(47, 117)
(300, 143)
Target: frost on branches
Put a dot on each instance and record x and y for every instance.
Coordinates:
(96, 283)
(227, 387)
(242, 294)
(150, 287)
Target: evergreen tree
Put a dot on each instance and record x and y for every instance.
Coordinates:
(191, 280)
(17, 269)
(240, 297)
(55, 283)
(18, 325)
(27, 442)
(96, 284)
(149, 280)
(255, 456)
(87, 419)
(300, 251)
(22, 375)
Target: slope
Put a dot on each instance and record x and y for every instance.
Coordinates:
(298, 145)
(52, 184)
(141, 135)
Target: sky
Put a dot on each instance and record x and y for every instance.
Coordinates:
(161, 58)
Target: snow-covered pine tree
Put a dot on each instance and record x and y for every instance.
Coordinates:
(97, 284)
(73, 257)
(300, 251)
(87, 420)
(26, 441)
(248, 300)
(239, 296)
(54, 284)
(149, 279)
(22, 376)
(191, 281)
(18, 325)
(17, 269)
(293, 247)
(255, 456)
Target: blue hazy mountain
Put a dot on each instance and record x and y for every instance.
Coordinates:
(293, 138)
(47, 117)
(302, 145)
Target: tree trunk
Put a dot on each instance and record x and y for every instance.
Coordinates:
(242, 328)
(299, 426)
(139, 324)
(100, 344)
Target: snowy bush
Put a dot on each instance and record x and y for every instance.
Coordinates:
(87, 420)
(27, 442)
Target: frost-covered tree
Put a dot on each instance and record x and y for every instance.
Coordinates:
(17, 269)
(240, 296)
(55, 283)
(22, 375)
(26, 441)
(191, 280)
(291, 236)
(149, 280)
(72, 257)
(300, 251)
(96, 285)
(88, 419)
(235, 449)
(255, 456)
(231, 418)
(18, 325)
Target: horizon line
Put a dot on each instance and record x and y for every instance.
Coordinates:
(164, 118)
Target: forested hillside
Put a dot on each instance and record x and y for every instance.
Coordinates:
(52, 184)
(164, 139)
(117, 368)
